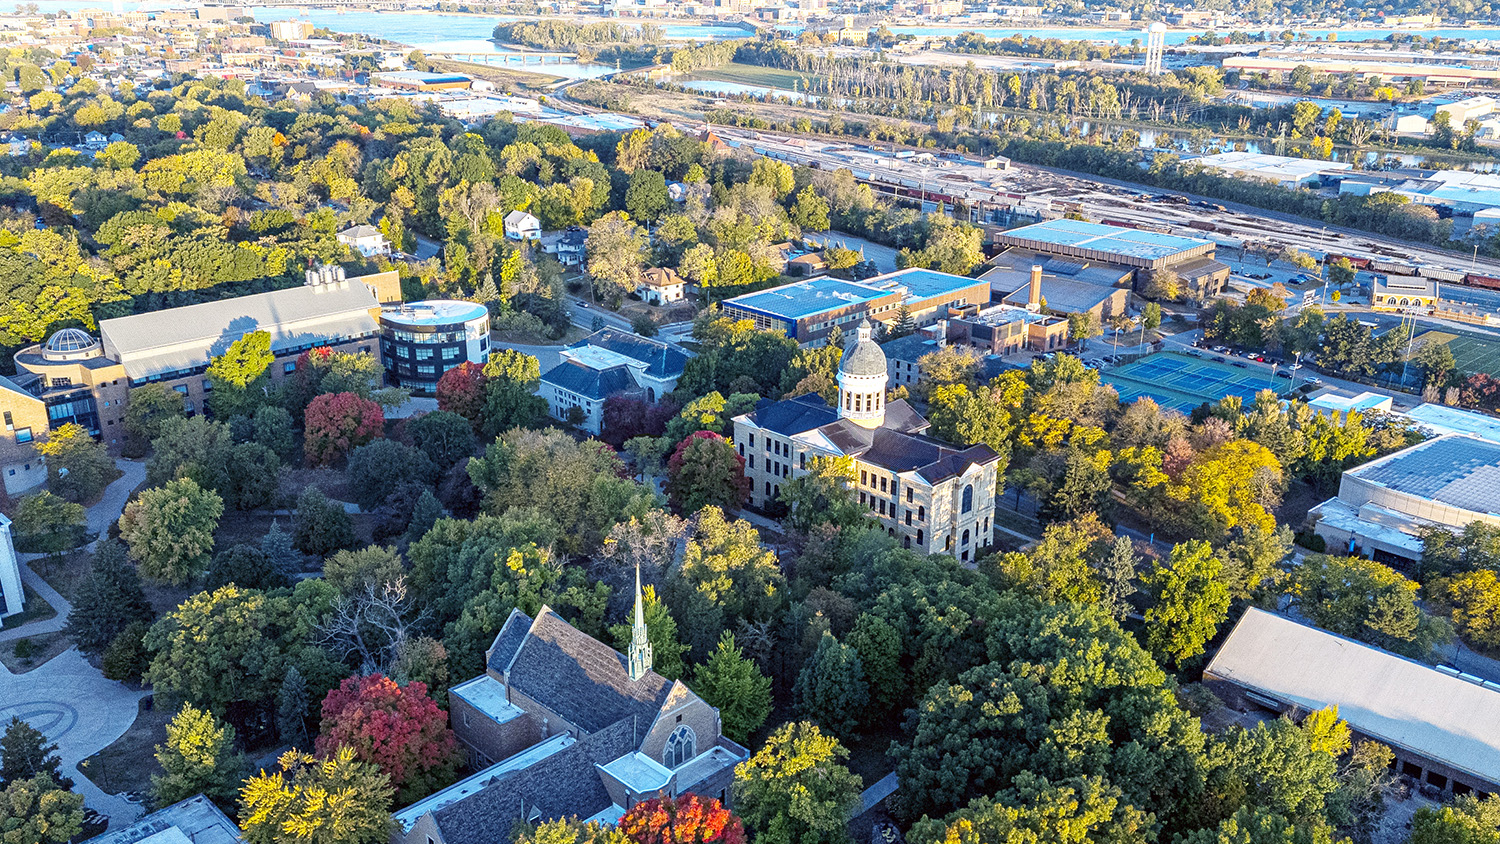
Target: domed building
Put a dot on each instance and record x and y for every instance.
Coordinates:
(935, 496)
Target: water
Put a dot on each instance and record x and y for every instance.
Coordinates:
(1123, 37)
(717, 87)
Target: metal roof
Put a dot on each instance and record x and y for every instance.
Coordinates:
(1099, 237)
(184, 338)
(1394, 700)
(922, 283)
(804, 298)
(1455, 469)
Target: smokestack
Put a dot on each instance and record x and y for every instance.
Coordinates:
(1034, 300)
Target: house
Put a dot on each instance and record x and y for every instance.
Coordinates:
(677, 191)
(937, 497)
(607, 363)
(569, 246)
(520, 225)
(95, 140)
(19, 146)
(660, 286)
(807, 265)
(562, 725)
(366, 240)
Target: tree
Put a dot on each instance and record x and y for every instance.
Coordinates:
(215, 648)
(823, 495)
(170, 530)
(810, 211)
(1079, 811)
(149, 406)
(37, 811)
(796, 788)
(684, 819)
(705, 471)
(338, 800)
(377, 468)
(78, 468)
(1467, 820)
(1150, 316)
(1117, 574)
(1364, 600)
(280, 553)
(351, 572)
(47, 524)
(726, 576)
(569, 831)
(240, 375)
(26, 753)
(320, 526)
(1473, 603)
(198, 758)
(832, 690)
(272, 427)
(108, 600)
(461, 390)
(1188, 601)
(646, 195)
(510, 399)
(1162, 285)
(661, 632)
(736, 687)
(1435, 360)
(616, 249)
(247, 566)
(445, 437)
(338, 423)
(125, 658)
(401, 731)
(292, 704)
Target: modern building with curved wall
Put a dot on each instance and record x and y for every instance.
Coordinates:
(420, 341)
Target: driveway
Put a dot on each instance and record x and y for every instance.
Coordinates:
(74, 706)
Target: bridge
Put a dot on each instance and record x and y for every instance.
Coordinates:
(522, 58)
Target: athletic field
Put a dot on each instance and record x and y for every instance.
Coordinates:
(1471, 352)
(1181, 382)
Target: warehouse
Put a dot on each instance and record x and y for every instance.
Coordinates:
(1099, 243)
(1282, 170)
(415, 80)
(1439, 723)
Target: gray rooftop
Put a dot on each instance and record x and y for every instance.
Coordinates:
(802, 299)
(1393, 700)
(1456, 469)
(1099, 237)
(184, 338)
(196, 820)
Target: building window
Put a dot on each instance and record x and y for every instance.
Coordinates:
(882, 484)
(10, 422)
(908, 517)
(289, 367)
(752, 441)
(803, 457)
(751, 460)
(181, 388)
(921, 515)
(23, 435)
(965, 542)
(908, 495)
(919, 536)
(968, 500)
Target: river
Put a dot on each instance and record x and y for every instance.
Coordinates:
(1124, 37)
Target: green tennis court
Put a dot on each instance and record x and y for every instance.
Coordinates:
(1471, 352)
(1181, 382)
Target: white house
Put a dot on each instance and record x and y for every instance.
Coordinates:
(95, 140)
(366, 240)
(20, 146)
(520, 225)
(660, 286)
(11, 595)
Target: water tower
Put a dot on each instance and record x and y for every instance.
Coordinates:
(1156, 44)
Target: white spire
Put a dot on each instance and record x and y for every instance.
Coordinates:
(640, 644)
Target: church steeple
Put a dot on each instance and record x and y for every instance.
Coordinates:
(640, 645)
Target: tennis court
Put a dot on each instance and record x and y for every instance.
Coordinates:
(1471, 352)
(1182, 382)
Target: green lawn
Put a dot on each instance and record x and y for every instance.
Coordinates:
(1472, 352)
(749, 74)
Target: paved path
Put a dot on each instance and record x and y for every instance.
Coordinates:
(50, 595)
(74, 706)
(106, 511)
(879, 791)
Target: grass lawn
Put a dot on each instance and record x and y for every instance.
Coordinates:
(127, 765)
(38, 650)
(504, 78)
(1472, 352)
(750, 74)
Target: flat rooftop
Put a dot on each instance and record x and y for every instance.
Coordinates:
(804, 298)
(1394, 700)
(1455, 469)
(434, 312)
(1450, 420)
(1097, 236)
(421, 77)
(487, 695)
(193, 821)
(1274, 167)
(923, 284)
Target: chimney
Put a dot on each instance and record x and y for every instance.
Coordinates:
(1034, 300)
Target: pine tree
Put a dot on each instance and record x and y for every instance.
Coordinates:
(905, 324)
(292, 702)
(280, 553)
(424, 516)
(736, 687)
(488, 293)
(832, 690)
(24, 753)
(198, 758)
(108, 600)
(1117, 574)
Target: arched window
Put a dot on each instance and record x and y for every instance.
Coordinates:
(966, 538)
(968, 499)
(682, 745)
(919, 537)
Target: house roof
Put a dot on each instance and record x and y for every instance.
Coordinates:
(662, 360)
(517, 217)
(583, 380)
(793, 416)
(1394, 700)
(661, 277)
(357, 232)
(906, 450)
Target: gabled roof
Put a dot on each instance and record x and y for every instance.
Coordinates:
(508, 641)
(661, 277)
(517, 217)
(662, 359)
(586, 381)
(583, 680)
(793, 416)
(360, 232)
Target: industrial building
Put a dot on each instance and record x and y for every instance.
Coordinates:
(416, 80)
(1104, 244)
(1449, 482)
(420, 341)
(1439, 723)
(1279, 169)
(1363, 68)
(1460, 191)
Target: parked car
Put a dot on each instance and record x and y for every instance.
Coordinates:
(1282, 373)
(1241, 364)
(1218, 359)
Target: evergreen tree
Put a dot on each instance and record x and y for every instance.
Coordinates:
(292, 702)
(736, 687)
(424, 516)
(488, 293)
(108, 600)
(879, 647)
(281, 555)
(904, 325)
(198, 758)
(24, 753)
(1117, 573)
(832, 690)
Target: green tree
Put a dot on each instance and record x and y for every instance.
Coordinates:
(1117, 575)
(37, 811)
(726, 576)
(26, 753)
(646, 195)
(705, 471)
(810, 211)
(170, 530)
(292, 704)
(1435, 360)
(47, 524)
(796, 788)
(198, 758)
(661, 631)
(1083, 810)
(1151, 316)
(108, 600)
(1467, 820)
(150, 406)
(338, 800)
(510, 386)
(215, 648)
(832, 690)
(1188, 601)
(1472, 600)
(320, 526)
(616, 249)
(736, 687)
(78, 468)
(240, 375)
(823, 495)
(446, 438)
(1364, 600)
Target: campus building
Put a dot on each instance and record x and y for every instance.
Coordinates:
(416, 80)
(195, 820)
(12, 594)
(1439, 723)
(609, 362)
(1449, 482)
(420, 341)
(936, 497)
(821, 310)
(77, 377)
(1076, 255)
(562, 725)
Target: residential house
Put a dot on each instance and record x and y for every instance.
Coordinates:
(366, 240)
(660, 286)
(520, 225)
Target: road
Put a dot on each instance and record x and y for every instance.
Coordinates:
(583, 315)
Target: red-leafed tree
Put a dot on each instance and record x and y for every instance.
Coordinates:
(461, 391)
(1480, 390)
(628, 417)
(706, 470)
(686, 819)
(338, 423)
(401, 730)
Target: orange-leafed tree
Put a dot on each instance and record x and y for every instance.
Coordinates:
(338, 423)
(400, 730)
(685, 819)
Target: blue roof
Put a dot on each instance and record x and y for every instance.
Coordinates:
(661, 359)
(923, 284)
(804, 298)
(589, 382)
(1097, 236)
